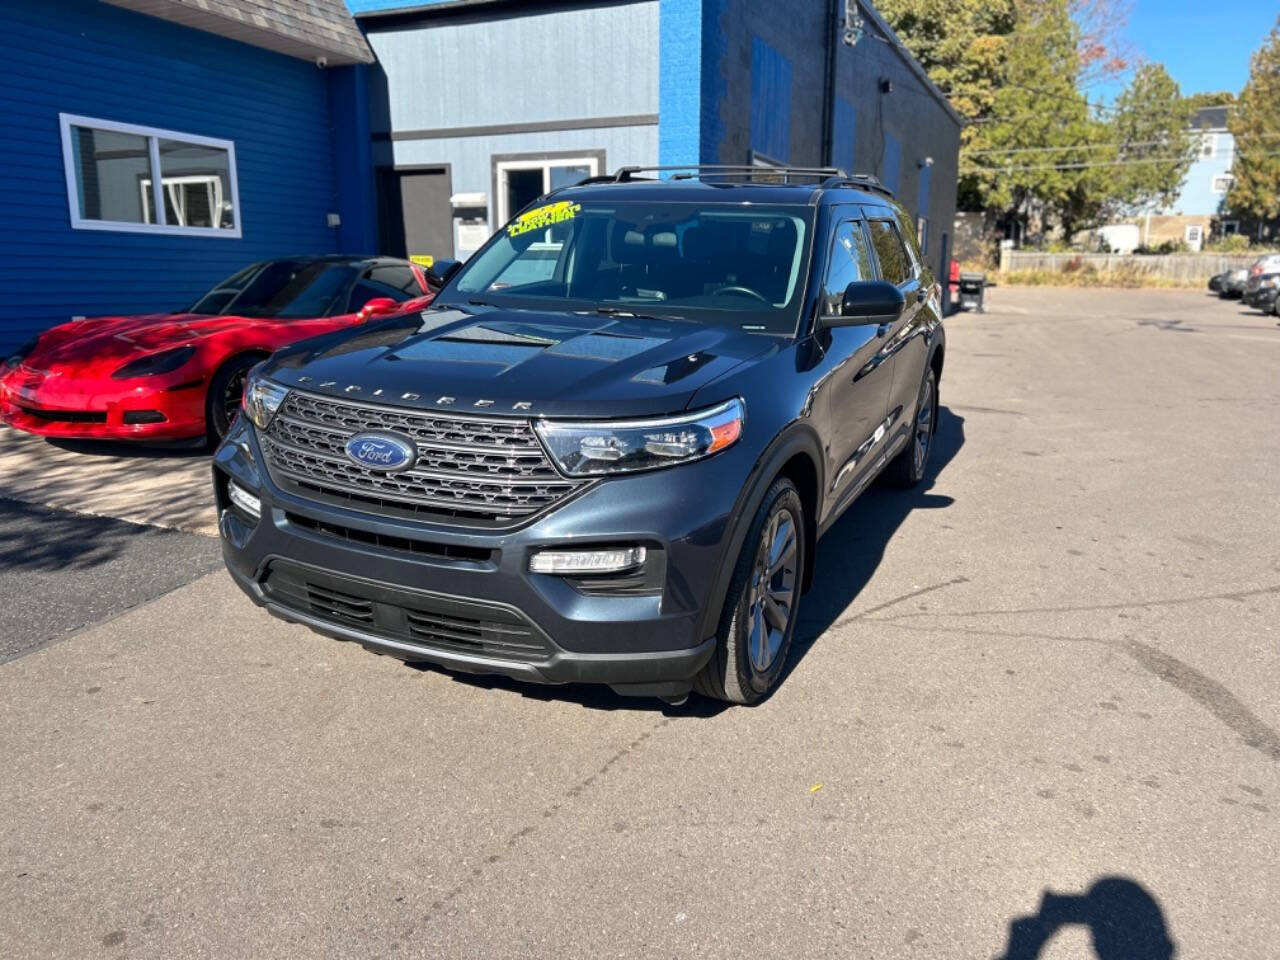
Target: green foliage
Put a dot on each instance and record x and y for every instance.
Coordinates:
(1033, 145)
(1235, 243)
(1218, 98)
(1255, 123)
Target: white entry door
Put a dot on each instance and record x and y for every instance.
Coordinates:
(522, 181)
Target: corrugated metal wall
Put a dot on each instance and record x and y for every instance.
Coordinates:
(99, 61)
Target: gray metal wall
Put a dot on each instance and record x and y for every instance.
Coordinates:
(462, 90)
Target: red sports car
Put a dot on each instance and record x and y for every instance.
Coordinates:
(179, 376)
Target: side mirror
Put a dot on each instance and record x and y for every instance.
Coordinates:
(439, 273)
(377, 306)
(866, 301)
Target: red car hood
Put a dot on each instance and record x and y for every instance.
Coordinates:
(101, 341)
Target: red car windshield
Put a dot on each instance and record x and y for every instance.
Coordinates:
(288, 289)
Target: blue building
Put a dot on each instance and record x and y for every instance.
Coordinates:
(478, 106)
(149, 148)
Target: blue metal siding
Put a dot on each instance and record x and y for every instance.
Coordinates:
(922, 191)
(890, 166)
(844, 136)
(105, 62)
(770, 102)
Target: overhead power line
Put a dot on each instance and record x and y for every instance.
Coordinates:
(977, 168)
(1006, 151)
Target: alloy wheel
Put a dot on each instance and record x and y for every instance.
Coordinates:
(924, 427)
(773, 586)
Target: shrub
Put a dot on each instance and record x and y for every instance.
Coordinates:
(1234, 243)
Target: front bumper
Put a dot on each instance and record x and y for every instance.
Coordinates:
(457, 596)
(100, 408)
(1262, 298)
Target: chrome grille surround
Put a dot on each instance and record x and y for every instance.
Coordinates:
(469, 470)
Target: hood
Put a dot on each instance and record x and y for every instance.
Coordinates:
(499, 361)
(100, 341)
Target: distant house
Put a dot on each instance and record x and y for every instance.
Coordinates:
(1191, 218)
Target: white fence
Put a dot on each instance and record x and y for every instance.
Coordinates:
(1187, 268)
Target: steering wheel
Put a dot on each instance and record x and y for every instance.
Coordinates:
(743, 292)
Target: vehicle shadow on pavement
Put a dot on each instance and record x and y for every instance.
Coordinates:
(1123, 917)
(138, 451)
(33, 538)
(850, 553)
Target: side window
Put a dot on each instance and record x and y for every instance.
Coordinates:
(398, 278)
(850, 262)
(398, 283)
(895, 264)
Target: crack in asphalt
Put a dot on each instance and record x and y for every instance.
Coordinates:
(1199, 686)
(498, 855)
(1083, 608)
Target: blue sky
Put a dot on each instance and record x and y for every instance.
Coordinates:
(1205, 46)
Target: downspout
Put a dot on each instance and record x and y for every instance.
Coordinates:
(829, 84)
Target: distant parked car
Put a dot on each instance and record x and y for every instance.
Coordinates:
(1233, 282)
(1261, 290)
(180, 376)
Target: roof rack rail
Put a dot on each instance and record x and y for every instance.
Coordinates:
(701, 171)
(864, 180)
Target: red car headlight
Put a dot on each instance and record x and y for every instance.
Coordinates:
(166, 361)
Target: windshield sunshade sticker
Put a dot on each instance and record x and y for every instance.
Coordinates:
(542, 217)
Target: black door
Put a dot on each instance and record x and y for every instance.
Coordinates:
(415, 217)
(858, 391)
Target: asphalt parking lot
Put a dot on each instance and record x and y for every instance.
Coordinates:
(1033, 708)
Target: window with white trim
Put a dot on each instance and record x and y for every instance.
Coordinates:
(136, 179)
(1222, 183)
(1208, 143)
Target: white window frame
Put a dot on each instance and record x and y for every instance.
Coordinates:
(1208, 145)
(1228, 181)
(154, 135)
(535, 163)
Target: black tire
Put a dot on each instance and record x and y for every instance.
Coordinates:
(222, 402)
(908, 468)
(751, 650)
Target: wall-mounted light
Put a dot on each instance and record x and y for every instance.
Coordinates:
(926, 162)
(886, 85)
(854, 26)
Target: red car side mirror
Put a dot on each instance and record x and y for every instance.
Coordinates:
(376, 306)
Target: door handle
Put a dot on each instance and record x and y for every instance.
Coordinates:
(921, 294)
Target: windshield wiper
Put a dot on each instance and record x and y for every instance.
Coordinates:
(608, 311)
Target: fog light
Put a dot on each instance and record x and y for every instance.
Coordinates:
(569, 562)
(245, 500)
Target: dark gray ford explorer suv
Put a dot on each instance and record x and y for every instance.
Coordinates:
(607, 450)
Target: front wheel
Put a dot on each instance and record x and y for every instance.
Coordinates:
(759, 615)
(225, 392)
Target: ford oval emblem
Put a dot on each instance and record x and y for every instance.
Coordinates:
(383, 452)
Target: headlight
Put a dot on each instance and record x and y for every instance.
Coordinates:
(591, 448)
(166, 361)
(21, 353)
(262, 399)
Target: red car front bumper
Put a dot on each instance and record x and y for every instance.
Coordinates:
(143, 408)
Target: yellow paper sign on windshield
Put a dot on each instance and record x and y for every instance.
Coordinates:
(540, 218)
(422, 259)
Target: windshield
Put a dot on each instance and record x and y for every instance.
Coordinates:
(286, 289)
(742, 266)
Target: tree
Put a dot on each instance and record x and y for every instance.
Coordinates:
(1255, 123)
(1152, 127)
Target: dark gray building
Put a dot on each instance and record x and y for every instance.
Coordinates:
(478, 106)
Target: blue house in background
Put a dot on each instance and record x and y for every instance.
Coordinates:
(147, 153)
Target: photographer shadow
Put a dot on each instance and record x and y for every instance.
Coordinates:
(1124, 920)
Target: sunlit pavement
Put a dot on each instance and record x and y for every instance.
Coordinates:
(1035, 708)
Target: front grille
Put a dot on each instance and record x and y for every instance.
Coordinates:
(429, 622)
(425, 548)
(65, 416)
(471, 470)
